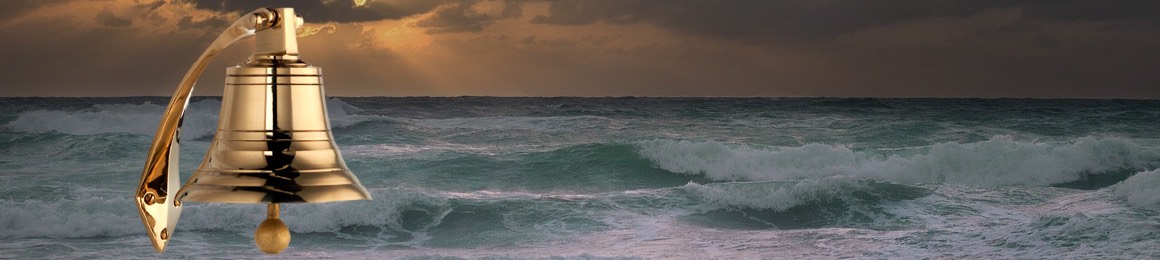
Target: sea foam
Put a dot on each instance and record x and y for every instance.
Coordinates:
(998, 161)
(93, 216)
(87, 217)
(783, 195)
(1140, 190)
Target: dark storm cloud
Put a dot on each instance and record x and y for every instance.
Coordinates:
(1089, 10)
(882, 48)
(575, 12)
(13, 8)
(1008, 30)
(822, 20)
(761, 20)
(919, 47)
(107, 18)
(320, 11)
(111, 61)
(460, 17)
(750, 20)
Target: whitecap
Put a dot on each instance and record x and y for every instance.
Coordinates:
(998, 161)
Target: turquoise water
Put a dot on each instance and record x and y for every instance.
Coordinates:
(585, 178)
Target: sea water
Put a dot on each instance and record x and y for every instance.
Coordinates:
(594, 178)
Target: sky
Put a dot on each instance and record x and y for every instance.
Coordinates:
(821, 48)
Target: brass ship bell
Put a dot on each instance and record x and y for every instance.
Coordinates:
(273, 144)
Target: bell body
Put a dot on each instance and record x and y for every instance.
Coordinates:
(273, 143)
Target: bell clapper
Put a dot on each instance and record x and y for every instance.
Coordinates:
(272, 236)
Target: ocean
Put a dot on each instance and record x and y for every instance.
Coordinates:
(623, 178)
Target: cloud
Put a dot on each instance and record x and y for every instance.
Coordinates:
(578, 12)
(468, 16)
(779, 21)
(187, 23)
(892, 48)
(1092, 10)
(125, 48)
(323, 11)
(760, 20)
(107, 18)
(14, 8)
(1008, 30)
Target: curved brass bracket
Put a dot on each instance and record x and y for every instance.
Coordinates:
(160, 210)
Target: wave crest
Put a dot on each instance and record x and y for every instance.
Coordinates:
(812, 203)
(998, 161)
(783, 195)
(1140, 190)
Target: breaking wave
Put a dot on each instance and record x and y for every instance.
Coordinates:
(823, 202)
(1140, 190)
(998, 161)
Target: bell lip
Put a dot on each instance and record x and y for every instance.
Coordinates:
(368, 197)
(350, 192)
